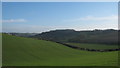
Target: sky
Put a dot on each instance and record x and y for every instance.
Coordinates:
(60, 0)
(0, 17)
(45, 16)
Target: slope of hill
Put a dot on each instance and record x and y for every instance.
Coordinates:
(57, 35)
(0, 49)
(22, 34)
(96, 36)
(94, 46)
(19, 51)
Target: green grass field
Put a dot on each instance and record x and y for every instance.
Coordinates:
(19, 51)
(94, 46)
(0, 49)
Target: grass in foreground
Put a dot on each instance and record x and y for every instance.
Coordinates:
(19, 51)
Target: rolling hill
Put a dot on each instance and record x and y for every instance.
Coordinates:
(108, 36)
(94, 46)
(20, 51)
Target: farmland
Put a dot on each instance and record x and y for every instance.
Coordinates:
(94, 46)
(20, 51)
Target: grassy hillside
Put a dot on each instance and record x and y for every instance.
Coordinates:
(94, 46)
(19, 51)
(23, 34)
(0, 49)
(108, 36)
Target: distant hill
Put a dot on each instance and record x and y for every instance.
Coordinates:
(108, 36)
(22, 34)
(57, 35)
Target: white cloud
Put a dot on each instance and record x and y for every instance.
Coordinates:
(107, 18)
(94, 18)
(94, 22)
(32, 28)
(83, 23)
(13, 20)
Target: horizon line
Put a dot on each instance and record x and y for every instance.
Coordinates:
(61, 29)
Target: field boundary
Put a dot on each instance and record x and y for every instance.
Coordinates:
(87, 49)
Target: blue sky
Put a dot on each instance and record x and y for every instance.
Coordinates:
(45, 16)
(0, 17)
